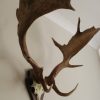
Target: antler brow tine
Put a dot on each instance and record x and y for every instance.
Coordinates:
(63, 94)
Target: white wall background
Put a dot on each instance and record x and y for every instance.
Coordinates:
(59, 25)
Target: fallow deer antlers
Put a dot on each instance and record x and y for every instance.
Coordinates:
(27, 13)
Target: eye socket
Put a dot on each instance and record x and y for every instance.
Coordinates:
(32, 89)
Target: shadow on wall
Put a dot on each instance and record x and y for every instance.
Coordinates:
(8, 67)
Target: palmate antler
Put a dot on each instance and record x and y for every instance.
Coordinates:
(27, 13)
(77, 42)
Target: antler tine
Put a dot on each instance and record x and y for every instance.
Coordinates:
(77, 42)
(78, 25)
(60, 93)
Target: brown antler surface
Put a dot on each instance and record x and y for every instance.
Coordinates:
(61, 93)
(77, 42)
(29, 11)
